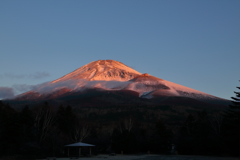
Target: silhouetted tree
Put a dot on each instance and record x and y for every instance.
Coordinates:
(126, 124)
(9, 136)
(44, 122)
(80, 130)
(161, 139)
(124, 142)
(66, 122)
(26, 130)
(232, 125)
(196, 135)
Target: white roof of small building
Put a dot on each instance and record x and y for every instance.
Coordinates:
(79, 144)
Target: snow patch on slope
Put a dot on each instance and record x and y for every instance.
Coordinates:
(189, 92)
(146, 95)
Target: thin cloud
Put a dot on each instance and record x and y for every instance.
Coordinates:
(78, 85)
(48, 87)
(22, 87)
(36, 75)
(6, 92)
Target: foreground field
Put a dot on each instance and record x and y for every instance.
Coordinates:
(149, 157)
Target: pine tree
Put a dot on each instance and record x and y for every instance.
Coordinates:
(236, 102)
(233, 113)
(232, 125)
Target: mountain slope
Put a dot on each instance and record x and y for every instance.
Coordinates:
(149, 87)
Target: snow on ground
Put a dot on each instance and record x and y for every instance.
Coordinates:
(148, 157)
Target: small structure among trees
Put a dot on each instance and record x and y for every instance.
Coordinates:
(78, 149)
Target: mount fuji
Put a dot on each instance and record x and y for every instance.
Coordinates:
(110, 76)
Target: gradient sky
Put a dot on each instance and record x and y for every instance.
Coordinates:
(195, 43)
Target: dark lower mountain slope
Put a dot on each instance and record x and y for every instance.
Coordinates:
(107, 108)
(102, 98)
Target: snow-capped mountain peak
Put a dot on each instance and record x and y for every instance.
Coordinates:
(106, 70)
(110, 75)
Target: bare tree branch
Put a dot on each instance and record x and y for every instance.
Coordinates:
(44, 121)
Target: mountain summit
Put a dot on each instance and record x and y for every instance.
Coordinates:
(104, 70)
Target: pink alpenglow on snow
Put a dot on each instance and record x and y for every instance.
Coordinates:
(114, 75)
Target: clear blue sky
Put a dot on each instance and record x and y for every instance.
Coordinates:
(195, 43)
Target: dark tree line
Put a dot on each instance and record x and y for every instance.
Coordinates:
(198, 135)
(43, 130)
(212, 134)
(39, 131)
